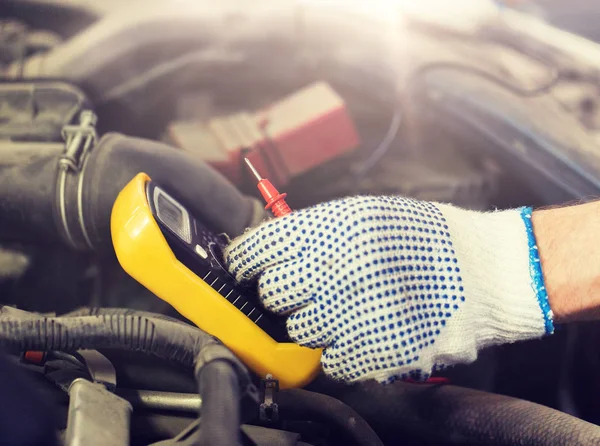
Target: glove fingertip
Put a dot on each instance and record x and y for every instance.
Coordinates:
(303, 330)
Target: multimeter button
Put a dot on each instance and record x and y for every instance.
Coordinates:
(201, 252)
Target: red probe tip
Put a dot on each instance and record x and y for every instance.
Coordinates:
(275, 201)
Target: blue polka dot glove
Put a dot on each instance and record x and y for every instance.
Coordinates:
(392, 287)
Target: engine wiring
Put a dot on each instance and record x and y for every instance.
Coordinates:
(383, 146)
(380, 151)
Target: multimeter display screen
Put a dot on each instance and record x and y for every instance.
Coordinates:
(172, 215)
(200, 250)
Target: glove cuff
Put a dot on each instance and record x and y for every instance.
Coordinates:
(502, 276)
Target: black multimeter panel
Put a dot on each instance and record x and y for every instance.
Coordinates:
(201, 251)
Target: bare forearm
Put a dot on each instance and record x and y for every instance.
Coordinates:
(569, 246)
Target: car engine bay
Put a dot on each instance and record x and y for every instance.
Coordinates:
(490, 111)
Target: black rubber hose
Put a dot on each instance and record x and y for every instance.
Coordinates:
(298, 404)
(27, 194)
(219, 375)
(220, 411)
(173, 341)
(218, 386)
(114, 311)
(29, 208)
(450, 415)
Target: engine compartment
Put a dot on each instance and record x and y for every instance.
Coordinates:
(486, 118)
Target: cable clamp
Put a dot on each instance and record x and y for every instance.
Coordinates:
(78, 141)
(269, 409)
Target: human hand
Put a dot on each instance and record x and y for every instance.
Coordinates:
(392, 287)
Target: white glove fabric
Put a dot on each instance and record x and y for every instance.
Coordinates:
(396, 288)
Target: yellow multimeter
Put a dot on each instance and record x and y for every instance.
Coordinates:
(172, 254)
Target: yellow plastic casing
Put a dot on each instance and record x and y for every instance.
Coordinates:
(145, 255)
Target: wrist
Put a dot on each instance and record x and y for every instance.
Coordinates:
(569, 246)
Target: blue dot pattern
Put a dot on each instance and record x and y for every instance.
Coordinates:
(373, 280)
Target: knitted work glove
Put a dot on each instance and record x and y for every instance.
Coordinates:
(393, 287)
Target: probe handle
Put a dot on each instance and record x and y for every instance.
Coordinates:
(275, 201)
